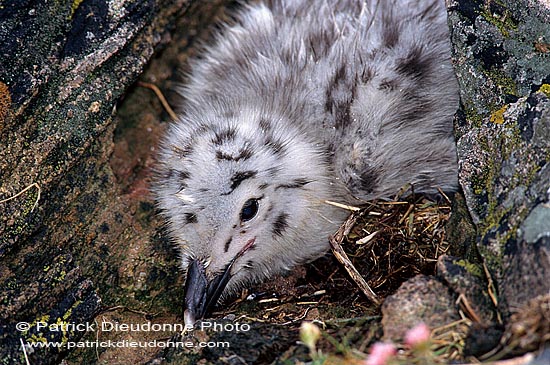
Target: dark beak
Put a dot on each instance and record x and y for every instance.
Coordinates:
(202, 295)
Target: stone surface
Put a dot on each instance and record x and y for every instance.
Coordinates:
(501, 51)
(470, 282)
(72, 240)
(257, 344)
(419, 299)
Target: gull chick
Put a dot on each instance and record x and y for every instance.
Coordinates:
(296, 103)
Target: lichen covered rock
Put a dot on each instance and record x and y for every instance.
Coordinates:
(501, 51)
(63, 237)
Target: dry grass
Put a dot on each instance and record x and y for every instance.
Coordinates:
(392, 241)
(448, 341)
(528, 330)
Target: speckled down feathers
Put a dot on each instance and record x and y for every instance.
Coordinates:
(301, 102)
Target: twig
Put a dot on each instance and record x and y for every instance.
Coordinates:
(367, 239)
(35, 185)
(467, 308)
(97, 338)
(125, 308)
(297, 319)
(24, 352)
(523, 360)
(491, 290)
(343, 206)
(161, 97)
(342, 257)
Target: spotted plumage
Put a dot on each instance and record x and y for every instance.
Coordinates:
(297, 103)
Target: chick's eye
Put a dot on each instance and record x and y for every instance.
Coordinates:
(250, 209)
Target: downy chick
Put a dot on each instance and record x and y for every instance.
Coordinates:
(297, 103)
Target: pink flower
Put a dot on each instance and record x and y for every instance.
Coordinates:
(381, 353)
(417, 335)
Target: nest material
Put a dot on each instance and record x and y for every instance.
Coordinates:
(390, 241)
(529, 327)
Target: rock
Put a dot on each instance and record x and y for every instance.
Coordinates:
(419, 299)
(461, 232)
(482, 338)
(256, 344)
(72, 241)
(470, 282)
(501, 59)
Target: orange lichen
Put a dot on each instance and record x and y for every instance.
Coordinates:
(5, 103)
(497, 117)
